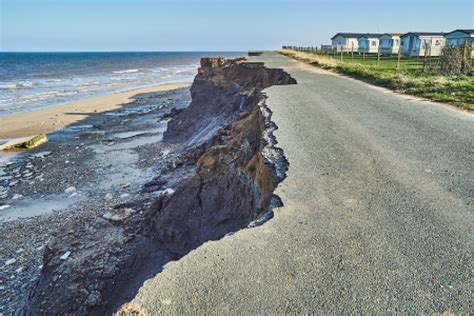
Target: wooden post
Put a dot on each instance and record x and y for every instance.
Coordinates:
(363, 57)
(425, 45)
(465, 59)
(378, 56)
(342, 54)
(399, 55)
(352, 52)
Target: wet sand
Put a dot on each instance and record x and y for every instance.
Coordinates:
(50, 119)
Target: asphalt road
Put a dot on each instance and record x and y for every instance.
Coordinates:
(378, 213)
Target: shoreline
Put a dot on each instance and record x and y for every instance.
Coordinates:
(47, 120)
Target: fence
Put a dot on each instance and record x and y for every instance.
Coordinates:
(379, 59)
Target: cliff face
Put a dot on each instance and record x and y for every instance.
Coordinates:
(221, 178)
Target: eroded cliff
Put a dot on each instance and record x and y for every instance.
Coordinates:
(219, 179)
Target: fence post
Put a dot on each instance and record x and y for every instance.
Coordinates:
(363, 57)
(399, 55)
(378, 55)
(342, 54)
(425, 45)
(465, 58)
(352, 52)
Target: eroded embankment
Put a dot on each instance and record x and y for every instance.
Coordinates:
(221, 178)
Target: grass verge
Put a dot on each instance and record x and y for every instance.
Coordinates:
(455, 90)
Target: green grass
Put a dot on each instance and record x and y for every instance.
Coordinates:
(409, 79)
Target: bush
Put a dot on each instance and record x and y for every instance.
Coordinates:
(453, 60)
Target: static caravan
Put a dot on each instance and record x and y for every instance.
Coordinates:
(346, 41)
(369, 43)
(389, 43)
(458, 37)
(416, 43)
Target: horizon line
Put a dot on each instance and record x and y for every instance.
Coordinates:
(125, 51)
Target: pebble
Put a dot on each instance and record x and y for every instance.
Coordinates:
(65, 255)
(70, 190)
(126, 185)
(73, 195)
(109, 196)
(124, 195)
(17, 196)
(168, 191)
(42, 154)
(10, 261)
(19, 270)
(4, 207)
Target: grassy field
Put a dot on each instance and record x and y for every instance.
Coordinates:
(409, 79)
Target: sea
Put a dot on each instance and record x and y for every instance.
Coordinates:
(30, 81)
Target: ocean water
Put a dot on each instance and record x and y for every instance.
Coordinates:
(30, 81)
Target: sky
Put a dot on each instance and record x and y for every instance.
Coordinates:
(213, 25)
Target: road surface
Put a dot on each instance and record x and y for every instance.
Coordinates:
(378, 213)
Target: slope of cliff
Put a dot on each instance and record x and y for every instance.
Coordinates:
(219, 178)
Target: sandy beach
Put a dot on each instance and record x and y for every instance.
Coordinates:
(49, 119)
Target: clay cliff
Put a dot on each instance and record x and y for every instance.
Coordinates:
(219, 179)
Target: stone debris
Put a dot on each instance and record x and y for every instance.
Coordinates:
(168, 192)
(10, 261)
(118, 215)
(126, 185)
(70, 190)
(128, 135)
(4, 207)
(65, 255)
(41, 155)
(261, 220)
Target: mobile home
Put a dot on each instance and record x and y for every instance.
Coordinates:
(419, 43)
(389, 43)
(346, 41)
(459, 37)
(368, 43)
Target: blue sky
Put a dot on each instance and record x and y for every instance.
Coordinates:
(216, 25)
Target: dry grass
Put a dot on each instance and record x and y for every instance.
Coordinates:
(455, 90)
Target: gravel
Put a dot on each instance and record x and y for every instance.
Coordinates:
(72, 180)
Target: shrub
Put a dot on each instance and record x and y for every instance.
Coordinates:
(451, 60)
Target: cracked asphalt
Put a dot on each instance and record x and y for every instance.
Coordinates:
(378, 214)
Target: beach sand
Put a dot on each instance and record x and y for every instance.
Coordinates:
(50, 119)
